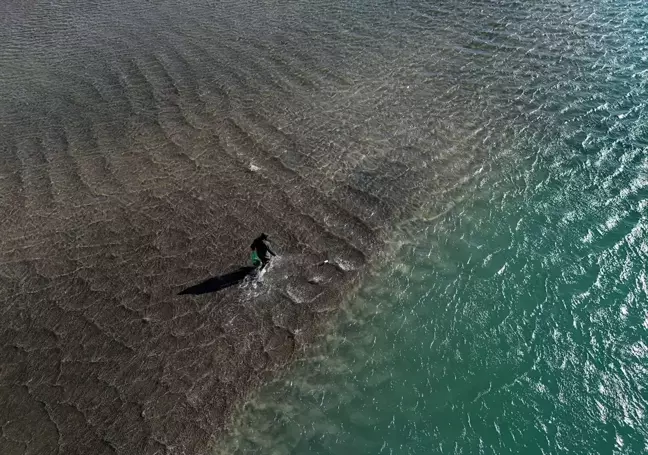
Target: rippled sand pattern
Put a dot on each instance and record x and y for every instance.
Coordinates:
(514, 323)
(122, 185)
(143, 146)
(141, 149)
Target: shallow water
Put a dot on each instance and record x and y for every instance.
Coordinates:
(513, 317)
(514, 323)
(142, 146)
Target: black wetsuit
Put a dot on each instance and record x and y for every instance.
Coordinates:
(262, 249)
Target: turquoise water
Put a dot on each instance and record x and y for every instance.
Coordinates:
(499, 145)
(513, 316)
(514, 323)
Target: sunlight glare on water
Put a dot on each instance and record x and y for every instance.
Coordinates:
(500, 146)
(516, 321)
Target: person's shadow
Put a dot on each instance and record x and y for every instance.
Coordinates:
(218, 283)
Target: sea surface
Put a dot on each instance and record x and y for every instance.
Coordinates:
(513, 319)
(486, 162)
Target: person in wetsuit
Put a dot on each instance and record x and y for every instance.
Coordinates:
(262, 249)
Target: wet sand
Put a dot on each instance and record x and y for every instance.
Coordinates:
(99, 353)
(122, 190)
(141, 150)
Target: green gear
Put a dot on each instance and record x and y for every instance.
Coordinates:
(256, 261)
